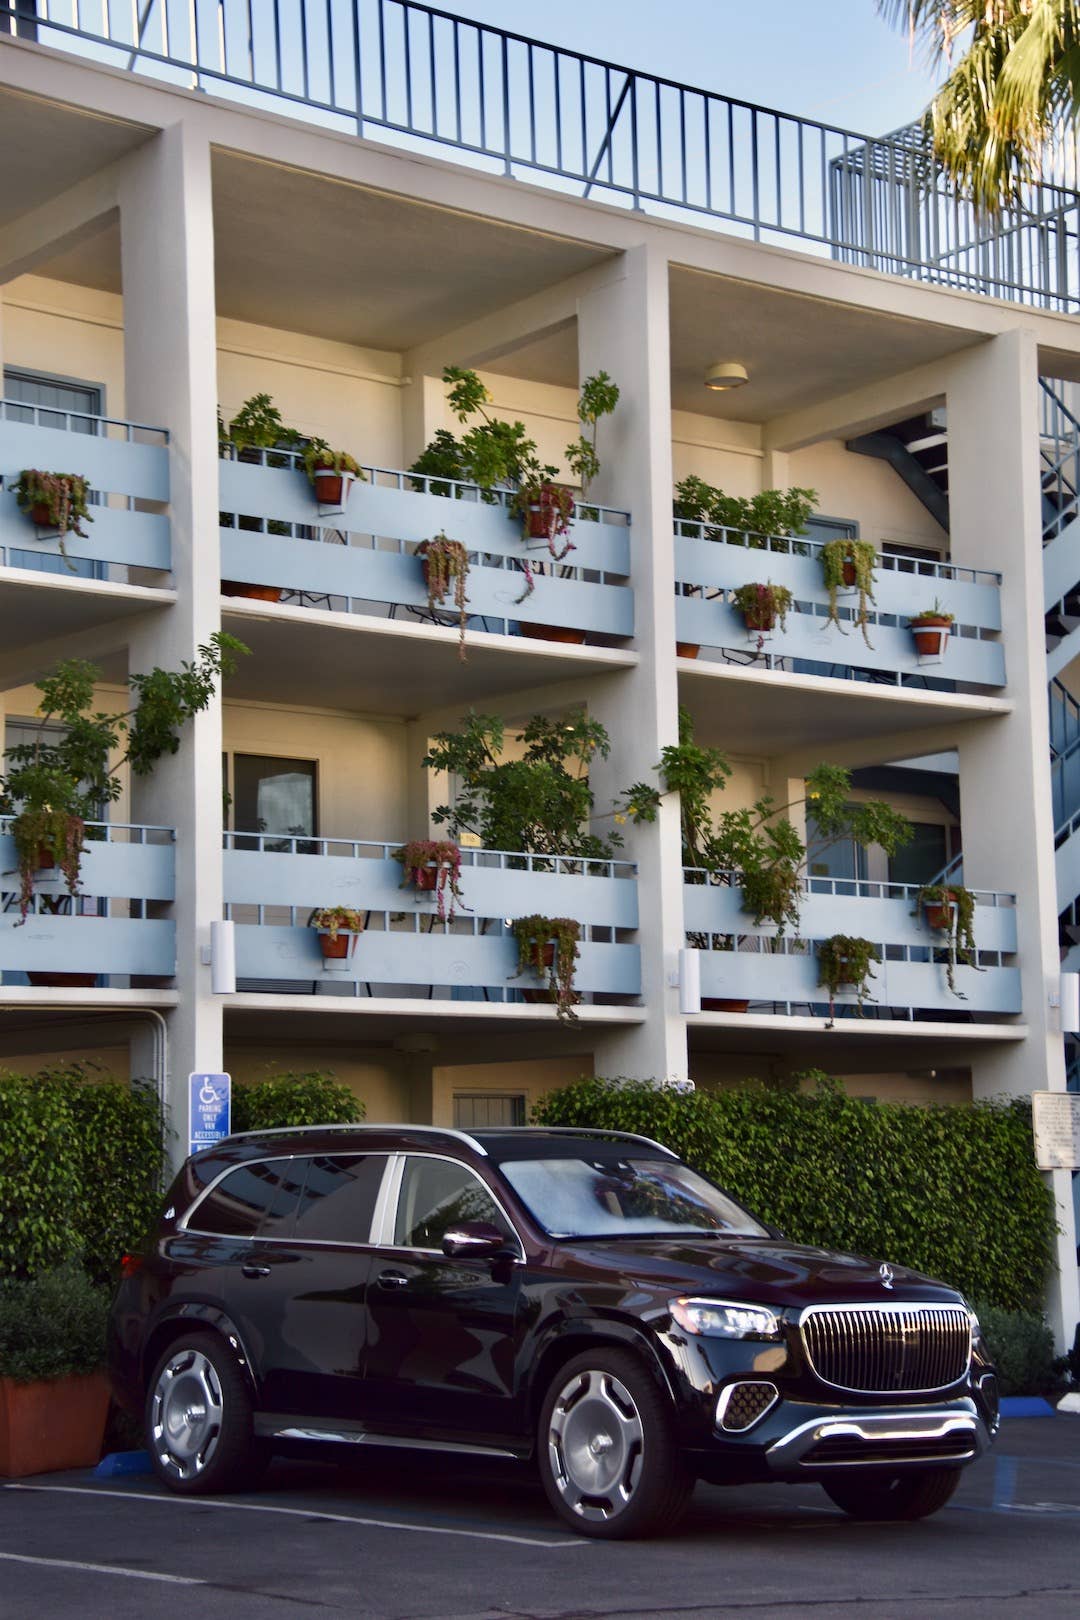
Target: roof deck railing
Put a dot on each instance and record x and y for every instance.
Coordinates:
(425, 79)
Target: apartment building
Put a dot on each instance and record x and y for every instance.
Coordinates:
(333, 214)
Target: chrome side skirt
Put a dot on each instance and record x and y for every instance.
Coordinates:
(369, 1437)
(879, 1430)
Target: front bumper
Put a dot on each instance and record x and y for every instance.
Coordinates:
(946, 1436)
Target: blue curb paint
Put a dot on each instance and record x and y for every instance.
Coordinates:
(123, 1462)
(1025, 1406)
(1005, 1470)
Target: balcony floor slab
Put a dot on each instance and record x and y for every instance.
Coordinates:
(333, 660)
(862, 1043)
(39, 608)
(773, 712)
(394, 1015)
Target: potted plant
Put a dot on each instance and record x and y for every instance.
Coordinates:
(53, 1394)
(58, 501)
(850, 565)
(546, 510)
(339, 928)
(433, 866)
(931, 629)
(71, 770)
(257, 434)
(446, 570)
(772, 514)
(332, 474)
(949, 909)
(548, 947)
(761, 606)
(846, 959)
(491, 453)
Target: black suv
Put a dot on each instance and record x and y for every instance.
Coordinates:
(580, 1298)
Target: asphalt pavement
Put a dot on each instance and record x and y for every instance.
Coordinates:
(423, 1537)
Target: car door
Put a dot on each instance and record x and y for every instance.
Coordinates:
(297, 1292)
(443, 1333)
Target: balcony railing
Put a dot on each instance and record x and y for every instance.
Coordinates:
(405, 73)
(743, 961)
(711, 563)
(127, 466)
(111, 931)
(364, 561)
(272, 885)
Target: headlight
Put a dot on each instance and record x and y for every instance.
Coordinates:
(725, 1319)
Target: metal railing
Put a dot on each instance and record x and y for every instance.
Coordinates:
(414, 75)
(503, 860)
(857, 888)
(97, 427)
(783, 545)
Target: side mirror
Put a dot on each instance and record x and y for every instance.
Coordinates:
(474, 1240)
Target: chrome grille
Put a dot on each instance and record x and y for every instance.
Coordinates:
(887, 1348)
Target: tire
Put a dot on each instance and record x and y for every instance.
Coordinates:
(913, 1495)
(199, 1429)
(606, 1446)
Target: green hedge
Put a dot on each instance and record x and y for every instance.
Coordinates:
(951, 1191)
(52, 1325)
(1022, 1348)
(81, 1164)
(314, 1098)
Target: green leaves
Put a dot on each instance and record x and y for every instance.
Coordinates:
(314, 1097)
(52, 1325)
(772, 512)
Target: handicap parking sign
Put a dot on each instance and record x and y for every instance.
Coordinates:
(209, 1110)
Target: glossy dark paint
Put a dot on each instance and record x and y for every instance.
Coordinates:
(465, 1349)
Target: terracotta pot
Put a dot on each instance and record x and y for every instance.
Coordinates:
(43, 860)
(257, 593)
(540, 524)
(546, 996)
(931, 636)
(332, 488)
(62, 981)
(553, 632)
(687, 649)
(52, 1424)
(41, 516)
(759, 620)
(724, 1004)
(939, 916)
(849, 575)
(426, 877)
(336, 950)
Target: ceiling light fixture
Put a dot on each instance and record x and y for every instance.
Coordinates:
(726, 374)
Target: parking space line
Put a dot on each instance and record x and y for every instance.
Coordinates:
(105, 1569)
(309, 1513)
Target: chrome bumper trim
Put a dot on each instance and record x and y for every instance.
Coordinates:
(875, 1429)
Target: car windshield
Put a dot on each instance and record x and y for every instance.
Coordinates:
(579, 1197)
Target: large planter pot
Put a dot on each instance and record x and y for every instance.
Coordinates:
(552, 632)
(687, 649)
(332, 489)
(62, 981)
(256, 593)
(52, 1424)
(728, 1004)
(931, 639)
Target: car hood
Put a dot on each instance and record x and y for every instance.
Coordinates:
(767, 1270)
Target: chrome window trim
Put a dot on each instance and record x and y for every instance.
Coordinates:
(590, 1135)
(887, 1307)
(184, 1223)
(360, 1128)
(404, 1248)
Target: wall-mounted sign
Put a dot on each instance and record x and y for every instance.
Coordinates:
(209, 1110)
(1056, 1121)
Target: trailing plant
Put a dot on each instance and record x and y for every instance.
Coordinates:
(490, 453)
(52, 1325)
(778, 513)
(313, 1097)
(861, 559)
(952, 1191)
(957, 907)
(446, 569)
(335, 920)
(65, 776)
(319, 458)
(433, 864)
(598, 397)
(762, 605)
(846, 959)
(64, 498)
(548, 947)
(546, 510)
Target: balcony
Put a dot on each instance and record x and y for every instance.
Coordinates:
(111, 935)
(364, 562)
(710, 563)
(272, 884)
(744, 962)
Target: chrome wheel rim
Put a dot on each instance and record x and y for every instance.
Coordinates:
(186, 1414)
(596, 1445)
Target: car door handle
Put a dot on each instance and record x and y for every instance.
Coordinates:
(391, 1279)
(251, 1269)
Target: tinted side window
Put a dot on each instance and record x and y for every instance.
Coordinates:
(437, 1194)
(237, 1205)
(338, 1200)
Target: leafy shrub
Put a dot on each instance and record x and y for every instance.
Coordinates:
(81, 1161)
(950, 1191)
(52, 1325)
(1022, 1347)
(314, 1098)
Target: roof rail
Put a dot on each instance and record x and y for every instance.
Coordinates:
(299, 1130)
(597, 1130)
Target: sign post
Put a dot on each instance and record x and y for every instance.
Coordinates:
(209, 1110)
(1056, 1123)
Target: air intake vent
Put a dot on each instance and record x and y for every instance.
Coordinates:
(888, 1349)
(741, 1405)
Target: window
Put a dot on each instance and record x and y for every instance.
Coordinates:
(246, 1198)
(437, 1194)
(339, 1196)
(615, 1198)
(832, 858)
(925, 856)
(487, 1110)
(273, 796)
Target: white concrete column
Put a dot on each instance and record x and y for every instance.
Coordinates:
(1006, 810)
(423, 409)
(623, 329)
(171, 381)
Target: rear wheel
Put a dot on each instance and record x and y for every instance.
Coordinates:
(913, 1495)
(609, 1459)
(199, 1418)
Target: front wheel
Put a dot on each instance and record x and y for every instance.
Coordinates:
(609, 1459)
(913, 1495)
(199, 1418)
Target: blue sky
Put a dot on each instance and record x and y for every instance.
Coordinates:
(836, 61)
